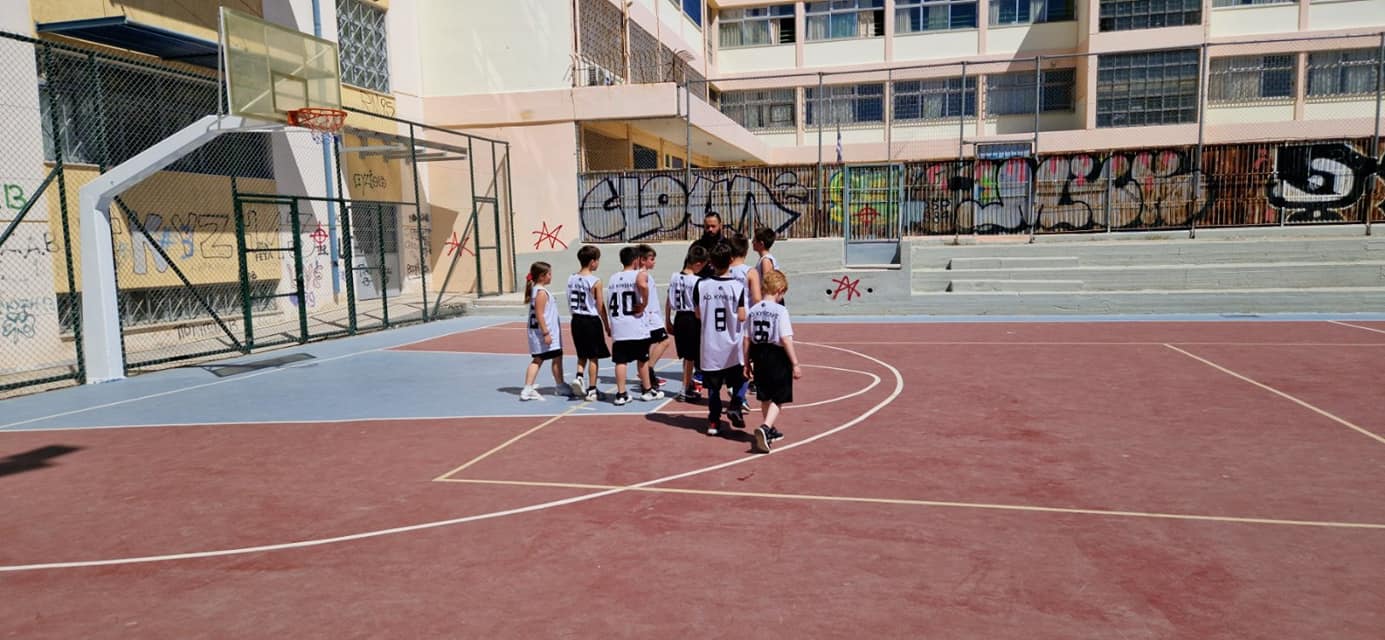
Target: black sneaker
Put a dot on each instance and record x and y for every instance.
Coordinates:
(775, 435)
(621, 399)
(737, 420)
(762, 441)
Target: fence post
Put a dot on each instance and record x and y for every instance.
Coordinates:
(1201, 129)
(1379, 85)
(418, 223)
(817, 115)
(687, 157)
(66, 224)
(961, 154)
(1034, 152)
(349, 273)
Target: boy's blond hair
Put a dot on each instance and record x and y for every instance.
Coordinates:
(775, 282)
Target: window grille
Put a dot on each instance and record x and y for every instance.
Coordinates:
(1026, 11)
(364, 47)
(1124, 15)
(767, 111)
(914, 16)
(1341, 73)
(1147, 88)
(845, 104)
(1014, 93)
(934, 99)
(1250, 78)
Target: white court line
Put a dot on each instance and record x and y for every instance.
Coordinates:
(238, 378)
(1355, 326)
(898, 389)
(1002, 343)
(509, 442)
(874, 383)
(1281, 394)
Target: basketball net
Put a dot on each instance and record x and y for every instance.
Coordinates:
(323, 123)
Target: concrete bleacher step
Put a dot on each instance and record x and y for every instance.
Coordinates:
(1138, 252)
(1211, 301)
(1012, 262)
(1309, 275)
(973, 286)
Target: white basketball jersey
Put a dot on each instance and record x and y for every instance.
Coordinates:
(550, 317)
(653, 311)
(581, 301)
(718, 299)
(622, 296)
(760, 264)
(680, 292)
(769, 323)
(738, 272)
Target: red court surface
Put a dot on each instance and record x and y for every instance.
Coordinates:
(1094, 480)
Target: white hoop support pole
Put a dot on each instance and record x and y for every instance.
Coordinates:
(100, 310)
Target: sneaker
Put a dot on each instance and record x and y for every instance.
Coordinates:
(621, 399)
(576, 386)
(761, 440)
(750, 387)
(530, 393)
(651, 395)
(712, 427)
(745, 406)
(775, 435)
(687, 397)
(737, 420)
(592, 394)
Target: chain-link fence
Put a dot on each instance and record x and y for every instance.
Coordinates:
(612, 49)
(1253, 132)
(256, 239)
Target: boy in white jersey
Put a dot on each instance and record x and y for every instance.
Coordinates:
(721, 311)
(686, 329)
(545, 335)
(589, 330)
(740, 248)
(626, 295)
(772, 357)
(765, 262)
(655, 316)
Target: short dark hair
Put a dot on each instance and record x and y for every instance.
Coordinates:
(697, 254)
(720, 257)
(628, 255)
(587, 253)
(740, 246)
(765, 236)
(712, 214)
(645, 250)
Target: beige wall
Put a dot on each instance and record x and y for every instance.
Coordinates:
(196, 18)
(844, 52)
(1346, 14)
(488, 46)
(1055, 36)
(750, 59)
(1254, 19)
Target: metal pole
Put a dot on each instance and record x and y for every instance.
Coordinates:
(298, 271)
(818, 116)
(1034, 151)
(76, 296)
(1375, 137)
(961, 153)
(1201, 117)
(246, 310)
(687, 156)
(418, 221)
(510, 211)
(384, 266)
(475, 214)
(346, 242)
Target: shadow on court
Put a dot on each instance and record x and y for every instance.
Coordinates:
(34, 459)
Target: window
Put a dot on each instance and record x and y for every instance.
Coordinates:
(845, 19)
(361, 38)
(1027, 11)
(1341, 73)
(692, 9)
(1246, 78)
(1124, 15)
(645, 158)
(769, 110)
(914, 16)
(756, 27)
(1242, 3)
(1147, 88)
(1013, 93)
(139, 107)
(934, 99)
(845, 104)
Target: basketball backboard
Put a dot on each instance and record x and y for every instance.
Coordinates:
(272, 69)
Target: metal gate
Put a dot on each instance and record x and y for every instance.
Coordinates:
(870, 198)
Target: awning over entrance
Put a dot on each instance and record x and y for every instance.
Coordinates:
(124, 33)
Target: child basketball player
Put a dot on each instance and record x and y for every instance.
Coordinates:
(588, 310)
(625, 301)
(681, 307)
(721, 311)
(545, 335)
(772, 357)
(655, 316)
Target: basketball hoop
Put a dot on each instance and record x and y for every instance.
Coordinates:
(323, 123)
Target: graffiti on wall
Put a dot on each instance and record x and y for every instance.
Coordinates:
(1318, 181)
(630, 207)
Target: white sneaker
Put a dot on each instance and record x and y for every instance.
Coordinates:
(578, 389)
(530, 393)
(652, 394)
(593, 395)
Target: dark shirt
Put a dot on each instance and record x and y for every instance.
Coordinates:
(707, 241)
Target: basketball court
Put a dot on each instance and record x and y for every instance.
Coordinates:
(997, 479)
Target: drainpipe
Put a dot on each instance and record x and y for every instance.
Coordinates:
(331, 188)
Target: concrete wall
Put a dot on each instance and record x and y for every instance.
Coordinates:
(490, 46)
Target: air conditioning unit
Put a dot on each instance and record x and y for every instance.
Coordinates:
(598, 76)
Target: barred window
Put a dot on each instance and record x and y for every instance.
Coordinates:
(837, 19)
(1124, 15)
(1146, 88)
(769, 110)
(934, 99)
(1342, 73)
(1027, 11)
(1014, 93)
(1247, 78)
(914, 16)
(645, 158)
(1242, 3)
(845, 104)
(757, 26)
(364, 47)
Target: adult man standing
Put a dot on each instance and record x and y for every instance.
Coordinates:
(711, 237)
